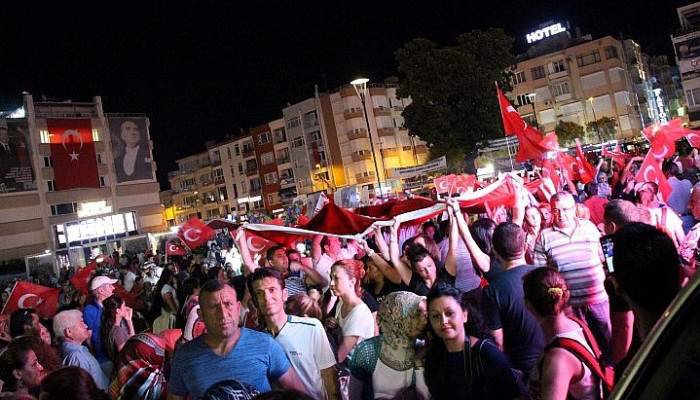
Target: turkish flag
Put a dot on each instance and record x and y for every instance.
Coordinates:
(530, 139)
(129, 298)
(195, 233)
(81, 278)
(28, 295)
(443, 184)
(463, 183)
(569, 164)
(650, 171)
(586, 171)
(616, 155)
(73, 153)
(550, 171)
(174, 249)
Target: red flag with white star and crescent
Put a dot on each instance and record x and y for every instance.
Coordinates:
(73, 154)
(28, 295)
(195, 233)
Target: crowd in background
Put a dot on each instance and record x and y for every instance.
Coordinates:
(518, 303)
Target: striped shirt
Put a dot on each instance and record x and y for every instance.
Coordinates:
(578, 257)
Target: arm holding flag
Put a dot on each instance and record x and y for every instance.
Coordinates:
(404, 271)
(390, 273)
(481, 259)
(453, 240)
(249, 266)
(381, 243)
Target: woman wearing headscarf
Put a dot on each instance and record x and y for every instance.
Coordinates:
(388, 364)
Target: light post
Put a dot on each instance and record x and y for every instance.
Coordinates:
(532, 97)
(595, 120)
(360, 85)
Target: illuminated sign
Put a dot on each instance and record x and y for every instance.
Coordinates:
(545, 32)
(663, 118)
(90, 208)
(249, 199)
(99, 228)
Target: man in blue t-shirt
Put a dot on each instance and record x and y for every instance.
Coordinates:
(101, 287)
(227, 351)
(513, 327)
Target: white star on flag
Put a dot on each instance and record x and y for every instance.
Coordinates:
(73, 156)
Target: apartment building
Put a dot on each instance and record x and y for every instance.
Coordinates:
(686, 45)
(75, 181)
(580, 79)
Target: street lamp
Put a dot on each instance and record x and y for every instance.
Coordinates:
(532, 97)
(360, 85)
(595, 120)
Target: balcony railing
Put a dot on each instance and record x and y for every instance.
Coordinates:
(357, 134)
(382, 111)
(251, 171)
(386, 131)
(390, 152)
(219, 180)
(356, 156)
(247, 152)
(354, 112)
(283, 160)
(287, 181)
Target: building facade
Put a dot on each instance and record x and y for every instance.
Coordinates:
(581, 80)
(76, 181)
(686, 45)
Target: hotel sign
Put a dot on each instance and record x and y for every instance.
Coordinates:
(545, 32)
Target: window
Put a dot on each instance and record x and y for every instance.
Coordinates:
(228, 152)
(95, 135)
(102, 181)
(518, 77)
(44, 136)
(693, 96)
(407, 148)
(322, 156)
(279, 135)
(523, 99)
(258, 204)
(48, 162)
(64, 208)
(560, 89)
(99, 158)
(255, 185)
(236, 149)
(298, 142)
(235, 190)
(310, 119)
(264, 138)
(557, 66)
(50, 186)
(270, 199)
(610, 52)
(251, 165)
(271, 178)
(588, 58)
(537, 72)
(248, 147)
(240, 168)
(287, 174)
(223, 194)
(293, 123)
(283, 156)
(267, 158)
(324, 175)
(315, 136)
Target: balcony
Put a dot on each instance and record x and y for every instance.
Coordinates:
(255, 191)
(357, 156)
(362, 179)
(283, 160)
(390, 152)
(382, 111)
(357, 134)
(421, 149)
(251, 171)
(377, 90)
(386, 132)
(219, 180)
(248, 152)
(287, 181)
(403, 128)
(398, 108)
(354, 112)
(205, 183)
(347, 91)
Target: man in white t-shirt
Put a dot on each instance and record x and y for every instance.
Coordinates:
(303, 339)
(326, 250)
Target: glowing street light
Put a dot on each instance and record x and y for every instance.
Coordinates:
(360, 85)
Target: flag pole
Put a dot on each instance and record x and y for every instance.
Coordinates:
(510, 154)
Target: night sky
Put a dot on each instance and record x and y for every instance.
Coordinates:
(204, 69)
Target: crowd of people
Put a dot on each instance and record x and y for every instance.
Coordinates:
(516, 303)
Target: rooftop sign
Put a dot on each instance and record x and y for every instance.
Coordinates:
(545, 32)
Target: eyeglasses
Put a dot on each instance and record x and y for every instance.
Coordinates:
(562, 210)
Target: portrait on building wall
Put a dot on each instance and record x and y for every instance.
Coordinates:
(130, 147)
(16, 174)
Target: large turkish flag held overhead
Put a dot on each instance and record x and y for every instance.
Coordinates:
(73, 153)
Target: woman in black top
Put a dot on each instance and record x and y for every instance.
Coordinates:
(459, 365)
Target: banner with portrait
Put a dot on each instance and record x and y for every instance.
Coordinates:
(130, 149)
(16, 174)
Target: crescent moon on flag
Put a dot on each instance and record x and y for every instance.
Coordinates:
(692, 137)
(648, 169)
(25, 297)
(172, 248)
(193, 238)
(661, 154)
(252, 247)
(68, 133)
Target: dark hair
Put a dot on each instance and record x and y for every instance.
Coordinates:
(213, 272)
(436, 358)
(165, 276)
(416, 253)
(646, 266)
(238, 282)
(546, 291)
(271, 252)
(278, 394)
(19, 319)
(325, 241)
(303, 305)
(482, 232)
(509, 241)
(671, 169)
(591, 189)
(620, 212)
(14, 357)
(260, 274)
(71, 383)
(110, 307)
(189, 285)
(212, 286)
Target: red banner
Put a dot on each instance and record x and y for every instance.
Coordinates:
(28, 295)
(530, 139)
(73, 153)
(174, 249)
(81, 278)
(195, 233)
(650, 171)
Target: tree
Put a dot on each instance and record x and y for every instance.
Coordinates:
(604, 128)
(454, 103)
(568, 131)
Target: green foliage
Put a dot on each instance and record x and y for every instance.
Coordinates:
(452, 88)
(568, 131)
(605, 126)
